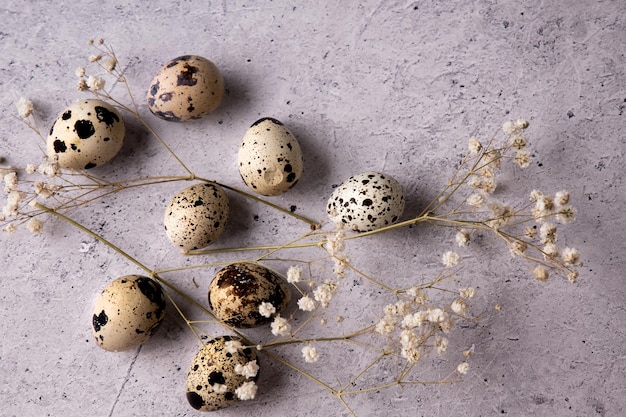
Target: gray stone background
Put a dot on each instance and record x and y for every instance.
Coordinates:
(396, 86)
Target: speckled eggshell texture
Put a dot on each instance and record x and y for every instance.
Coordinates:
(212, 379)
(127, 312)
(366, 201)
(86, 134)
(270, 158)
(186, 88)
(237, 291)
(196, 216)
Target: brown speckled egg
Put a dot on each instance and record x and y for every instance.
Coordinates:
(128, 312)
(86, 134)
(270, 158)
(213, 378)
(186, 88)
(196, 216)
(238, 290)
(366, 201)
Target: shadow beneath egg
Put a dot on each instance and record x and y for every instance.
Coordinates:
(315, 159)
(235, 101)
(239, 219)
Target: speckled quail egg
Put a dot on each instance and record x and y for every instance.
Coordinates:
(196, 216)
(86, 134)
(128, 312)
(238, 290)
(366, 201)
(270, 158)
(219, 368)
(186, 88)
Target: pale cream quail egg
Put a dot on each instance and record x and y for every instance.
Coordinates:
(186, 88)
(86, 134)
(238, 290)
(366, 201)
(127, 312)
(219, 372)
(196, 216)
(270, 158)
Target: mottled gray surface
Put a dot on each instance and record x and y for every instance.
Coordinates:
(396, 86)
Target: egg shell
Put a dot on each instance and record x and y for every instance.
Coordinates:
(86, 134)
(196, 216)
(186, 88)
(366, 201)
(215, 364)
(237, 291)
(270, 159)
(127, 312)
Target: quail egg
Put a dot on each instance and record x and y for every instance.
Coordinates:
(222, 372)
(366, 201)
(186, 88)
(238, 290)
(270, 158)
(127, 312)
(196, 216)
(86, 134)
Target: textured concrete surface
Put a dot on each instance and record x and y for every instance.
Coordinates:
(396, 86)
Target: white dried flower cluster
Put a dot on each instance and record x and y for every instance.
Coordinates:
(306, 303)
(50, 166)
(487, 160)
(463, 368)
(450, 258)
(109, 63)
(294, 274)
(219, 388)
(280, 326)
(411, 346)
(249, 370)
(540, 273)
(416, 328)
(95, 83)
(559, 209)
(335, 245)
(400, 308)
(462, 238)
(266, 309)
(474, 146)
(386, 325)
(441, 344)
(10, 182)
(310, 354)
(25, 107)
(20, 193)
(323, 293)
(467, 293)
(247, 391)
(482, 163)
(232, 346)
(34, 225)
(476, 200)
(500, 215)
(459, 306)
(419, 295)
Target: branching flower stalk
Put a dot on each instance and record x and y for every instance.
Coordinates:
(419, 320)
